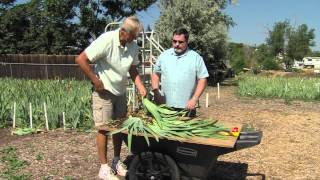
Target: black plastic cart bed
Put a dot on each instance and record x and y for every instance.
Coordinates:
(192, 159)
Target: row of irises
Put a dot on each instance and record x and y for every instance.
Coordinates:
(73, 98)
(289, 88)
(41, 100)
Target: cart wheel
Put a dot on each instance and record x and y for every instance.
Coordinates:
(153, 166)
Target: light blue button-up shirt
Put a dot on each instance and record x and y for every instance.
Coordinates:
(179, 75)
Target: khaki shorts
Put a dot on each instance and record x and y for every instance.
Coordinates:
(107, 107)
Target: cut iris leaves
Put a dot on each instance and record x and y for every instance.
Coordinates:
(170, 124)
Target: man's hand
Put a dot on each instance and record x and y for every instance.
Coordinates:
(98, 85)
(143, 91)
(137, 80)
(158, 99)
(191, 104)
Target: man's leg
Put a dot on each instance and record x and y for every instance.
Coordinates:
(102, 111)
(102, 144)
(119, 112)
(117, 142)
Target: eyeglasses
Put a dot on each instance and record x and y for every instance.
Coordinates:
(179, 42)
(132, 33)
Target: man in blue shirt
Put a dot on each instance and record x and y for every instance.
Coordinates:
(182, 73)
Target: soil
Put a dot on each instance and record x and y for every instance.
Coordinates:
(289, 147)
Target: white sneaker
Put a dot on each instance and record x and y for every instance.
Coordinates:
(120, 168)
(106, 173)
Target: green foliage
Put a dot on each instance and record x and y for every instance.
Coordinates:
(300, 41)
(277, 37)
(292, 43)
(5, 111)
(270, 63)
(12, 164)
(283, 45)
(68, 178)
(69, 96)
(119, 9)
(237, 57)
(239, 64)
(58, 27)
(39, 157)
(280, 87)
(204, 20)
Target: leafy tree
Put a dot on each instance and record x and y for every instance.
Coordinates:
(13, 24)
(96, 14)
(91, 22)
(118, 9)
(37, 27)
(278, 37)
(204, 20)
(58, 26)
(300, 41)
(237, 56)
(292, 44)
(5, 4)
(51, 29)
(265, 58)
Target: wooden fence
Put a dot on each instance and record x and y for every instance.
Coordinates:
(39, 66)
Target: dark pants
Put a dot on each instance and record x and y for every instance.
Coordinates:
(190, 113)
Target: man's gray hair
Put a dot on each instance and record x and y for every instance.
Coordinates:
(131, 24)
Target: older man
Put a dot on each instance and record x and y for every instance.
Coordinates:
(115, 54)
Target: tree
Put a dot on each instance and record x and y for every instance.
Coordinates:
(204, 20)
(237, 56)
(37, 27)
(278, 37)
(60, 26)
(13, 24)
(300, 41)
(265, 58)
(118, 9)
(50, 26)
(291, 43)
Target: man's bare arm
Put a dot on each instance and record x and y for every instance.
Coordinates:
(136, 78)
(83, 62)
(201, 85)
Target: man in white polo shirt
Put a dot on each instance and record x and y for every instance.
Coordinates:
(115, 54)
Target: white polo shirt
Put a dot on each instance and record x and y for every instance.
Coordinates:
(112, 60)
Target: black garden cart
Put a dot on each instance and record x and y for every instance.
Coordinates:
(192, 159)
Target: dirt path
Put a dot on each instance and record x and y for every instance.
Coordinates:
(289, 149)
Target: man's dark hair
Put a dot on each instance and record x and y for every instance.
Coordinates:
(181, 30)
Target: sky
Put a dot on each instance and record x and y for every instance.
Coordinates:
(254, 18)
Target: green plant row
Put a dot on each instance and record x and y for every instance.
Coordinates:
(298, 88)
(69, 96)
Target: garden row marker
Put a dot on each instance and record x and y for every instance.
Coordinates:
(14, 115)
(218, 85)
(30, 115)
(45, 115)
(134, 97)
(64, 121)
(207, 100)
